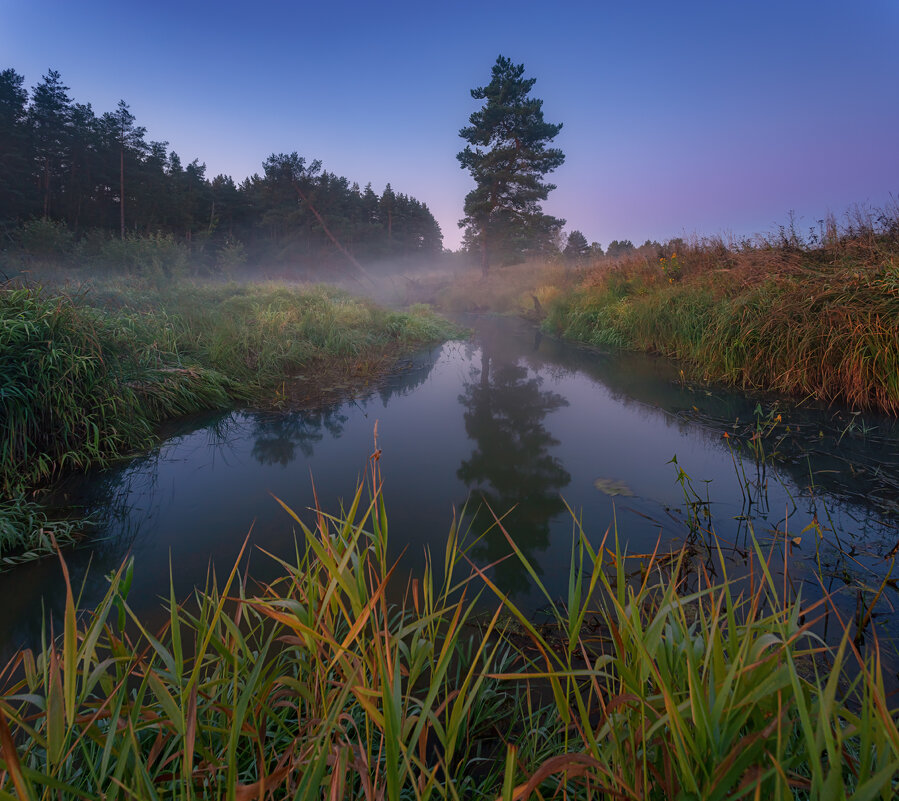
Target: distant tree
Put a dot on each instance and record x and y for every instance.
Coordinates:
(577, 247)
(128, 137)
(226, 202)
(196, 200)
(83, 166)
(155, 187)
(386, 207)
(370, 205)
(596, 249)
(292, 170)
(507, 155)
(676, 245)
(621, 248)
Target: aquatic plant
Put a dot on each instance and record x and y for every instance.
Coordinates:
(27, 533)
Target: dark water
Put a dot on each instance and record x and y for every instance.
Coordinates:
(509, 420)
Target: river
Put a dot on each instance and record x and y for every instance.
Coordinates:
(511, 421)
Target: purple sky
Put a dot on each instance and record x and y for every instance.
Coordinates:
(679, 118)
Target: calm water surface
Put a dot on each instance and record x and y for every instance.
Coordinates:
(509, 420)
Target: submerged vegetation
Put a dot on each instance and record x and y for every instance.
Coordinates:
(84, 377)
(324, 684)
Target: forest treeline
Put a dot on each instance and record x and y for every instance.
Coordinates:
(68, 174)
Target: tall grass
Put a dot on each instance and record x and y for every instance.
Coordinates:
(323, 684)
(817, 319)
(314, 686)
(677, 686)
(79, 386)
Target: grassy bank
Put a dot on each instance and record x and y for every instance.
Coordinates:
(84, 377)
(809, 317)
(670, 686)
(814, 321)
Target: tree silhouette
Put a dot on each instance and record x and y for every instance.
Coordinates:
(507, 155)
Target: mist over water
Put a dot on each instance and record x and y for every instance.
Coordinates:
(510, 423)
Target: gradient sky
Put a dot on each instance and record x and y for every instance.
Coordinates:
(679, 118)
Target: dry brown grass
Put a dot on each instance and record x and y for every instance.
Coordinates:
(815, 318)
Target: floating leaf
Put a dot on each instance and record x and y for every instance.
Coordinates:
(611, 486)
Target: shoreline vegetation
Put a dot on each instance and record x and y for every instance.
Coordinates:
(813, 316)
(671, 685)
(85, 376)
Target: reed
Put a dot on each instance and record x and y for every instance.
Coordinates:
(677, 686)
(319, 685)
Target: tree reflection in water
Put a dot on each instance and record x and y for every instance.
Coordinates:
(511, 468)
(279, 436)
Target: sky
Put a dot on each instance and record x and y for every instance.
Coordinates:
(679, 119)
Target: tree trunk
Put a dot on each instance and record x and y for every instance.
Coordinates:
(46, 188)
(122, 191)
(331, 236)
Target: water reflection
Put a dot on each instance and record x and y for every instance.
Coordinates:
(852, 457)
(511, 468)
(513, 418)
(279, 435)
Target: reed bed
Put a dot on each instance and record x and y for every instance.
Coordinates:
(814, 319)
(323, 685)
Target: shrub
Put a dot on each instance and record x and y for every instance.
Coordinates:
(156, 255)
(46, 238)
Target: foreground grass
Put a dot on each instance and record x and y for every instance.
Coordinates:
(317, 686)
(84, 377)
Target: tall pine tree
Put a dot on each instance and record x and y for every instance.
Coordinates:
(507, 155)
(49, 118)
(15, 195)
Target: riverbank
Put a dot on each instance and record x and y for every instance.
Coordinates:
(86, 375)
(670, 684)
(816, 319)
